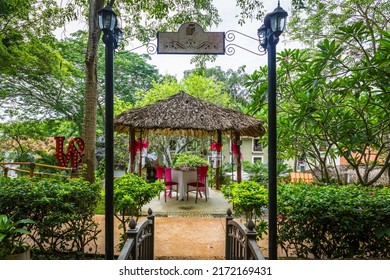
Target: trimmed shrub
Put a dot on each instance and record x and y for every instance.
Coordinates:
(334, 222)
(62, 210)
(131, 192)
(250, 199)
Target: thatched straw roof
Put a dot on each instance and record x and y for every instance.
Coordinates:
(183, 114)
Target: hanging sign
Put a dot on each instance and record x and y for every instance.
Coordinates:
(191, 39)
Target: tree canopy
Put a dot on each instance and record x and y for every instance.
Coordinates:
(334, 98)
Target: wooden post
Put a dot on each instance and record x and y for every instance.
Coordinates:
(132, 233)
(217, 170)
(140, 155)
(73, 172)
(132, 152)
(32, 167)
(251, 234)
(238, 142)
(151, 217)
(228, 248)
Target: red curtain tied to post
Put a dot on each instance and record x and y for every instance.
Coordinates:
(216, 146)
(236, 149)
(138, 145)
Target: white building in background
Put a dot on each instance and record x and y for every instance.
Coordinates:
(251, 150)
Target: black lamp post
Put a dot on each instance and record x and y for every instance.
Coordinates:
(269, 33)
(112, 37)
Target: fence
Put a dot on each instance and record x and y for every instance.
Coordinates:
(140, 240)
(304, 177)
(31, 170)
(240, 240)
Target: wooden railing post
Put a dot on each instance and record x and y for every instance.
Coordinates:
(32, 167)
(6, 172)
(132, 232)
(228, 248)
(73, 172)
(151, 217)
(139, 243)
(250, 235)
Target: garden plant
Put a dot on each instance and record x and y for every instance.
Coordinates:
(188, 160)
(12, 234)
(250, 200)
(62, 211)
(334, 222)
(131, 192)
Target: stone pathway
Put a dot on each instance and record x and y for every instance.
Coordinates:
(215, 206)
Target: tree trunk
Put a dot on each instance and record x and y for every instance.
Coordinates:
(91, 94)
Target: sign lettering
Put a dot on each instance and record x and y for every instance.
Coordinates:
(73, 154)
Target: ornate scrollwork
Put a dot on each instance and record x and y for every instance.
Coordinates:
(151, 36)
(151, 48)
(230, 50)
(190, 45)
(230, 36)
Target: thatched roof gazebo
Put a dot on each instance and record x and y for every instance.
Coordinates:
(183, 114)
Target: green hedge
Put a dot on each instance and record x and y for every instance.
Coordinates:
(334, 222)
(62, 210)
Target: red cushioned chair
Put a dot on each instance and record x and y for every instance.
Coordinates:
(200, 185)
(160, 170)
(169, 184)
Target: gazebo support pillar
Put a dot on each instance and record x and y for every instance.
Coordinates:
(140, 155)
(132, 150)
(238, 142)
(217, 170)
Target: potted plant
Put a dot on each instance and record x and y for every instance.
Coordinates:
(188, 161)
(12, 242)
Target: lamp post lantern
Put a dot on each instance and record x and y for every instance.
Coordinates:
(268, 34)
(112, 36)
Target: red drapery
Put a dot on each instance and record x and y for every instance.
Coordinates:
(216, 146)
(138, 146)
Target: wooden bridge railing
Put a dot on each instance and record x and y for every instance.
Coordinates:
(140, 240)
(32, 172)
(240, 241)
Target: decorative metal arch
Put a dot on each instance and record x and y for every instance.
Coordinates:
(229, 38)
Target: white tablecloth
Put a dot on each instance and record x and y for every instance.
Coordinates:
(182, 178)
